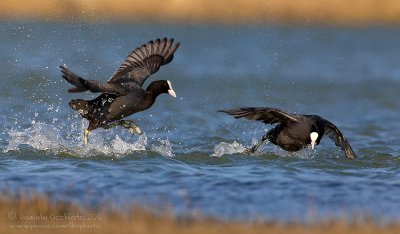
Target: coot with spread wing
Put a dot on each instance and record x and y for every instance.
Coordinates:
(123, 94)
(293, 132)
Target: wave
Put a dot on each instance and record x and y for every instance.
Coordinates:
(48, 137)
(60, 140)
(225, 148)
(164, 148)
(228, 148)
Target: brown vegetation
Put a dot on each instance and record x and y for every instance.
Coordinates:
(335, 12)
(38, 215)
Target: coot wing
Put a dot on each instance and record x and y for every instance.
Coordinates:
(334, 133)
(109, 88)
(73, 79)
(265, 114)
(146, 60)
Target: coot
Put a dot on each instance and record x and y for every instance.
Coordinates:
(123, 94)
(293, 131)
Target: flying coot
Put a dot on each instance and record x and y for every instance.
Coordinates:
(123, 94)
(293, 132)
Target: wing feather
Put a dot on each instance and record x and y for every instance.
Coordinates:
(146, 60)
(109, 88)
(334, 133)
(265, 114)
(73, 79)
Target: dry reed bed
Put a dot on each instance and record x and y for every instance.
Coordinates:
(334, 12)
(37, 214)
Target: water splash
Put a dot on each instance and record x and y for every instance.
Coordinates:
(164, 148)
(306, 153)
(47, 137)
(40, 136)
(121, 147)
(224, 148)
(227, 148)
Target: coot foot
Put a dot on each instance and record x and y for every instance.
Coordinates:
(85, 137)
(249, 151)
(255, 148)
(129, 124)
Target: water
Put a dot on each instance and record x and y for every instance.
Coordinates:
(189, 155)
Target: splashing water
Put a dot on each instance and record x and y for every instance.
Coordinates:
(40, 136)
(224, 148)
(164, 148)
(121, 147)
(46, 137)
(227, 148)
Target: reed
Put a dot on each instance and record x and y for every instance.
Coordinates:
(38, 214)
(326, 12)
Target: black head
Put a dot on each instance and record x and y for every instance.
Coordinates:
(161, 86)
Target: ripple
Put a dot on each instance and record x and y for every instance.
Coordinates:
(227, 148)
(48, 138)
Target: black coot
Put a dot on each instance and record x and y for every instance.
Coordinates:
(123, 94)
(294, 131)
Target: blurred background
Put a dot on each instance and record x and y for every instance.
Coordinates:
(321, 12)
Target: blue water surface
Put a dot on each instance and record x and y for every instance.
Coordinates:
(189, 157)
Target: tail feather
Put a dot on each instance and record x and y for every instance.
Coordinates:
(73, 79)
(82, 106)
(237, 113)
(85, 110)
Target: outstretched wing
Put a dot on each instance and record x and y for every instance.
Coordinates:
(146, 60)
(265, 114)
(94, 86)
(334, 133)
(73, 79)
(110, 88)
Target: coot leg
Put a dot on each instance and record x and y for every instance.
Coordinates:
(85, 137)
(129, 124)
(255, 148)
